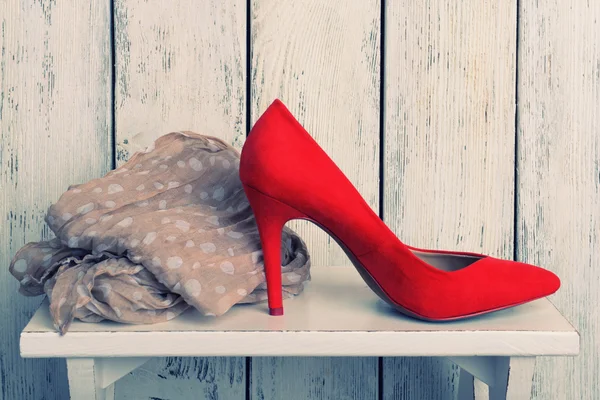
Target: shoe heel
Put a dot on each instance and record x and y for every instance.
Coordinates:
(271, 215)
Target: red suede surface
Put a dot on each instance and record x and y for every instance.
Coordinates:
(281, 160)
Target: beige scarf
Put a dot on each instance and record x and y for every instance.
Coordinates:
(169, 229)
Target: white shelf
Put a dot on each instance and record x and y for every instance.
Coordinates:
(337, 315)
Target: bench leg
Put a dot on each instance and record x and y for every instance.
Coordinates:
(514, 378)
(508, 378)
(84, 381)
(94, 378)
(465, 385)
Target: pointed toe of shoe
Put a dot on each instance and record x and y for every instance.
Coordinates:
(538, 282)
(518, 283)
(494, 284)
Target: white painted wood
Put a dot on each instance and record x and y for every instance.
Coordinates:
(322, 59)
(449, 140)
(109, 370)
(481, 390)
(180, 66)
(85, 381)
(506, 377)
(465, 390)
(54, 131)
(337, 315)
(558, 224)
(513, 378)
(449, 119)
(481, 367)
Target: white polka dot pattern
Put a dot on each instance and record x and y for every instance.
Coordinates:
(213, 219)
(86, 208)
(126, 222)
(193, 287)
(177, 217)
(220, 289)
(20, 266)
(227, 267)
(183, 226)
(149, 238)
(195, 164)
(219, 193)
(208, 247)
(174, 262)
(114, 188)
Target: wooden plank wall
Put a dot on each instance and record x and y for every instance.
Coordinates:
(558, 176)
(55, 124)
(467, 125)
(180, 66)
(449, 144)
(322, 60)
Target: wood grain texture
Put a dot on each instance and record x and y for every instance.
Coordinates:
(514, 376)
(449, 141)
(180, 66)
(558, 213)
(419, 378)
(301, 378)
(54, 131)
(322, 59)
(186, 378)
(85, 380)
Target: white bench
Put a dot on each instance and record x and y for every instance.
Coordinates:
(337, 315)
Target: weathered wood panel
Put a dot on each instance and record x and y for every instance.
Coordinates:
(302, 378)
(322, 59)
(180, 66)
(186, 378)
(558, 207)
(449, 144)
(54, 131)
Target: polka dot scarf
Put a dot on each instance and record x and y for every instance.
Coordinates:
(169, 229)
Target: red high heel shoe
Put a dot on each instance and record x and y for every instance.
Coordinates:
(286, 175)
